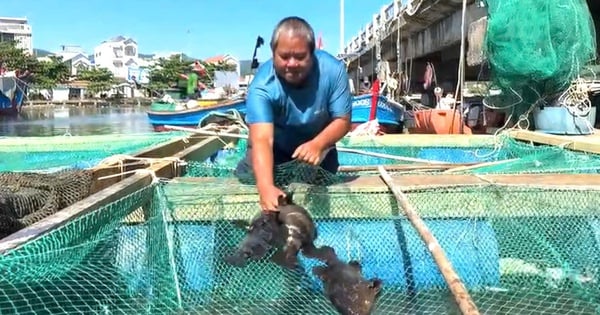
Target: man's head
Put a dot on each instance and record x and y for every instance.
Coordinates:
(293, 45)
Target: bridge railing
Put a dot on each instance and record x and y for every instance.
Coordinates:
(386, 13)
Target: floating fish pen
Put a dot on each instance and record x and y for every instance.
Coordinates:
(72, 152)
(518, 222)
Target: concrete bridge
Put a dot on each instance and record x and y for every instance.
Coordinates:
(407, 34)
(415, 32)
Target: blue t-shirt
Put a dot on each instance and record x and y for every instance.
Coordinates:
(299, 113)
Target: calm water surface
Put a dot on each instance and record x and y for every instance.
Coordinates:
(78, 121)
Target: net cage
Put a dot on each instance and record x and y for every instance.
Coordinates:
(500, 154)
(519, 249)
(72, 152)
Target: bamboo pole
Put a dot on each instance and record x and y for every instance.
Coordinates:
(458, 289)
(347, 150)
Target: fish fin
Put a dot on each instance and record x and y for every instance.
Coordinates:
(356, 265)
(324, 253)
(375, 285)
(279, 258)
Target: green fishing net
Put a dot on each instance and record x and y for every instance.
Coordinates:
(536, 48)
(518, 249)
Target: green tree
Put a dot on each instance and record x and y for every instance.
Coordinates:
(165, 73)
(100, 79)
(16, 58)
(45, 74)
(48, 74)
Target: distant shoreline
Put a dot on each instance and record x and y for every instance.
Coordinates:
(125, 102)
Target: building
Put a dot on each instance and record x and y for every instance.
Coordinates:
(225, 59)
(118, 55)
(76, 57)
(16, 29)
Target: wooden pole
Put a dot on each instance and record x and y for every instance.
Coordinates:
(458, 289)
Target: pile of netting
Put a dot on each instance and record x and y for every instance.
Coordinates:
(536, 49)
(26, 198)
(160, 250)
(69, 152)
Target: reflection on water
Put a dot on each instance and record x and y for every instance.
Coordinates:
(78, 121)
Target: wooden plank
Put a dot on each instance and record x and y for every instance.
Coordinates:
(127, 165)
(426, 181)
(132, 184)
(432, 204)
(198, 148)
(67, 142)
(168, 148)
(437, 196)
(421, 140)
(584, 143)
(402, 167)
(198, 152)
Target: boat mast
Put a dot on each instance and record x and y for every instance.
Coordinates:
(341, 26)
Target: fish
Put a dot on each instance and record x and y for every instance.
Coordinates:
(346, 288)
(300, 234)
(263, 234)
(287, 231)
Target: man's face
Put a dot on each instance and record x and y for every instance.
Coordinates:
(292, 58)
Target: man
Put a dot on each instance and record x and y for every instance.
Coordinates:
(298, 106)
(194, 87)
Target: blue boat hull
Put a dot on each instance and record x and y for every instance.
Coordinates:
(386, 114)
(10, 107)
(189, 117)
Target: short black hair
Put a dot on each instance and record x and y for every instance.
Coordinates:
(299, 26)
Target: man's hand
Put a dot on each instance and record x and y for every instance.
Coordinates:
(310, 152)
(269, 195)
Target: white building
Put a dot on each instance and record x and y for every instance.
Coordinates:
(16, 29)
(76, 57)
(228, 59)
(118, 55)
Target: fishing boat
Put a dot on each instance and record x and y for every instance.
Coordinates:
(376, 113)
(388, 115)
(189, 114)
(12, 96)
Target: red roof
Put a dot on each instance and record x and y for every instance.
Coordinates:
(215, 59)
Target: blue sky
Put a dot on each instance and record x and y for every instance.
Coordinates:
(201, 28)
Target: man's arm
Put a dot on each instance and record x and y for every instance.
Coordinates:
(340, 109)
(259, 116)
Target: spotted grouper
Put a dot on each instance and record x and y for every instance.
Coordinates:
(288, 230)
(300, 233)
(344, 285)
(264, 233)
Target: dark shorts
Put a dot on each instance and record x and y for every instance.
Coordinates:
(244, 171)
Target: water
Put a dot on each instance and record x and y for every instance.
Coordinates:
(78, 121)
